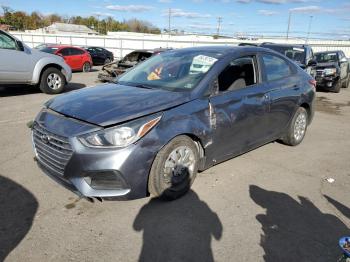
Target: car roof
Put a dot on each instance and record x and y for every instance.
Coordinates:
(225, 49)
(330, 51)
(285, 45)
(65, 46)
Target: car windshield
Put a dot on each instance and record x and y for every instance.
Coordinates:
(48, 49)
(326, 57)
(294, 53)
(174, 70)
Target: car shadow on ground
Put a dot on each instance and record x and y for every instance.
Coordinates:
(296, 230)
(17, 210)
(18, 90)
(179, 230)
(341, 208)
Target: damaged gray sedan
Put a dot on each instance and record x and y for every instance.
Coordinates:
(171, 116)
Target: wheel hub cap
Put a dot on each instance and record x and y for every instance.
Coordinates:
(54, 81)
(180, 161)
(300, 126)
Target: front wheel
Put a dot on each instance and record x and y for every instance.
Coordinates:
(52, 81)
(174, 169)
(107, 61)
(297, 129)
(337, 87)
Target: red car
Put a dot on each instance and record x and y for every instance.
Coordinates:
(77, 58)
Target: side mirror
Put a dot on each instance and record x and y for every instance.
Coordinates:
(343, 60)
(20, 46)
(59, 54)
(312, 62)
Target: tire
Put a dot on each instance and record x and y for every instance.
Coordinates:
(337, 87)
(347, 85)
(52, 81)
(86, 67)
(107, 61)
(297, 128)
(174, 181)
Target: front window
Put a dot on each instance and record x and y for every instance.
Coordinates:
(326, 57)
(7, 43)
(174, 70)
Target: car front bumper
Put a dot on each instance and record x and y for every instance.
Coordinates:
(328, 82)
(121, 172)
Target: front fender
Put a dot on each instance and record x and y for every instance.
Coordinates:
(43, 62)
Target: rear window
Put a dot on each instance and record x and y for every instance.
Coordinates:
(275, 67)
(75, 51)
(297, 54)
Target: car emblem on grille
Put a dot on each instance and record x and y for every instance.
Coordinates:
(45, 139)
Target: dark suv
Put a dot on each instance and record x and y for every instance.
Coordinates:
(332, 71)
(301, 54)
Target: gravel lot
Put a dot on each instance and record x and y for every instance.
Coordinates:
(271, 204)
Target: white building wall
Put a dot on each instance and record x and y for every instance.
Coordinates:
(122, 43)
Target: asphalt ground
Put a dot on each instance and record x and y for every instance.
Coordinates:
(271, 204)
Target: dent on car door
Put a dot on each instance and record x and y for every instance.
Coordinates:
(238, 109)
(284, 87)
(15, 64)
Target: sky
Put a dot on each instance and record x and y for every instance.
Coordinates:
(326, 18)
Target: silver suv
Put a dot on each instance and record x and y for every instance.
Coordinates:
(19, 64)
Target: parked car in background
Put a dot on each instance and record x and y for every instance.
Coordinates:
(110, 71)
(99, 55)
(19, 64)
(77, 58)
(301, 54)
(174, 114)
(332, 71)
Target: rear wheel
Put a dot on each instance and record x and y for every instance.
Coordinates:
(86, 67)
(297, 128)
(347, 84)
(174, 169)
(52, 81)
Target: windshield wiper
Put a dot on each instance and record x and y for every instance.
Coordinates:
(142, 86)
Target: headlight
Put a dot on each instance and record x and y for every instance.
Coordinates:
(123, 135)
(330, 71)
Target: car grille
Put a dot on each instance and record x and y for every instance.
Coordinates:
(52, 151)
(319, 73)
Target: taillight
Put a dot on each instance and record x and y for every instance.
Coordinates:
(313, 83)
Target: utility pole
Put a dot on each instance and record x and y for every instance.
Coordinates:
(219, 25)
(308, 31)
(288, 28)
(169, 22)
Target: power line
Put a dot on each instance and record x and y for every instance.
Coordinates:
(219, 25)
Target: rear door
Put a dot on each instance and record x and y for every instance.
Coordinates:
(66, 54)
(284, 88)
(77, 58)
(15, 64)
(239, 108)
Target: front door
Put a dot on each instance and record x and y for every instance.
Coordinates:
(238, 110)
(14, 63)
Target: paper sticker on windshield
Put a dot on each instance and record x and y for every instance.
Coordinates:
(298, 49)
(201, 64)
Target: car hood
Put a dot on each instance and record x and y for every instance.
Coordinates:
(111, 104)
(326, 65)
